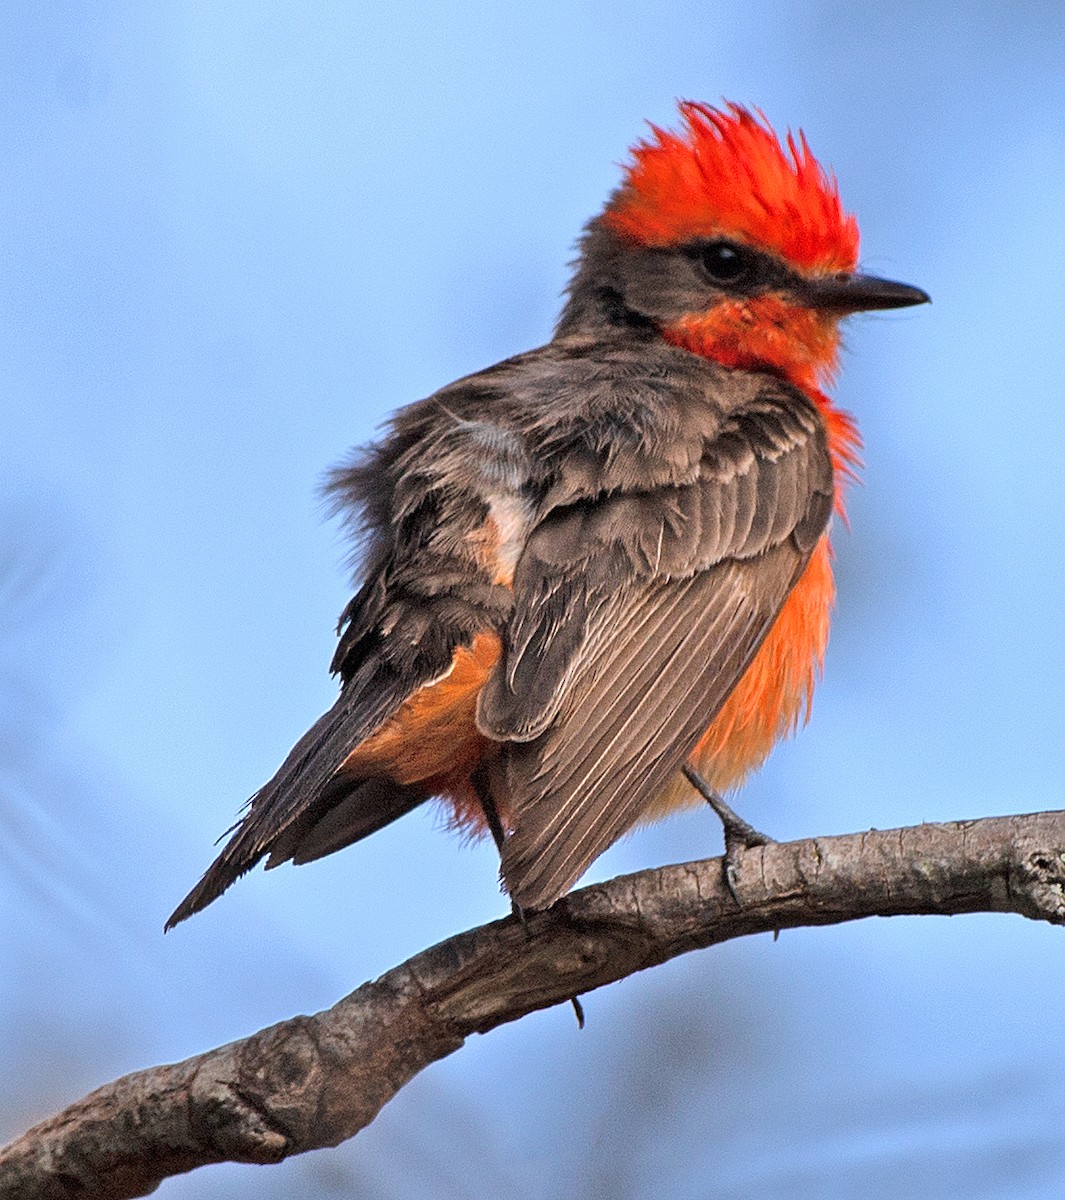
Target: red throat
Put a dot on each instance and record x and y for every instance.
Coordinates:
(763, 333)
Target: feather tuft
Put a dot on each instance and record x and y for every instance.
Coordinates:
(726, 174)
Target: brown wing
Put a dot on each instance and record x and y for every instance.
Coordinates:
(430, 590)
(635, 615)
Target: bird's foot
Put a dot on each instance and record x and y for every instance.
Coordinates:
(739, 834)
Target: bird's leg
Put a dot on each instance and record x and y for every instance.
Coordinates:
(495, 828)
(488, 807)
(739, 835)
(737, 830)
(482, 787)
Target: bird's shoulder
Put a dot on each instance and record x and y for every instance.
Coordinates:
(557, 444)
(635, 411)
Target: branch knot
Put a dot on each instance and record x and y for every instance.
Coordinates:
(1037, 883)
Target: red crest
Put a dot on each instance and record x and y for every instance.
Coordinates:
(726, 174)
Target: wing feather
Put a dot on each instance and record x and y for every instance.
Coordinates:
(578, 787)
(635, 614)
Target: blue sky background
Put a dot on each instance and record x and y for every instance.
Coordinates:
(234, 238)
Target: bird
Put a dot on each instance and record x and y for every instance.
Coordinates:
(596, 578)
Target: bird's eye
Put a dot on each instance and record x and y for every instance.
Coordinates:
(725, 262)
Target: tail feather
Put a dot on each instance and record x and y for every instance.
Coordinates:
(349, 817)
(308, 809)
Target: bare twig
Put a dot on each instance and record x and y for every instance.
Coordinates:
(314, 1081)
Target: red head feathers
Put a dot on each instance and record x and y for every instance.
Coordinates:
(727, 175)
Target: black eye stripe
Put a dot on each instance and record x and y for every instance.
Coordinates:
(737, 268)
(725, 262)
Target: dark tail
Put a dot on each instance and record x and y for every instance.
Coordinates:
(307, 810)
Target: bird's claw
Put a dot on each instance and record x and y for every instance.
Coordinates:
(740, 835)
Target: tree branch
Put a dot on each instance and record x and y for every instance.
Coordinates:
(311, 1082)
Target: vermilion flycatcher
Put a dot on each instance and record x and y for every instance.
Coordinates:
(599, 572)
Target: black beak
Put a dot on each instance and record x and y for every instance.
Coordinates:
(844, 294)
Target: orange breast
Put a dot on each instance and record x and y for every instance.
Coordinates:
(432, 741)
(772, 696)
